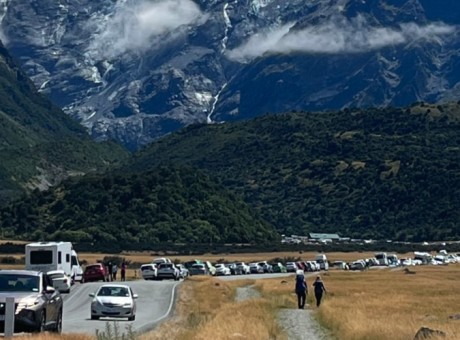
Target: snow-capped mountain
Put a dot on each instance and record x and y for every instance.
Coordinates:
(134, 70)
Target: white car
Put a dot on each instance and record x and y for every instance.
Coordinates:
(113, 301)
(149, 271)
(291, 267)
(255, 268)
(243, 268)
(222, 269)
(61, 281)
(168, 271)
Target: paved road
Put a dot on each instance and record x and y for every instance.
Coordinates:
(155, 302)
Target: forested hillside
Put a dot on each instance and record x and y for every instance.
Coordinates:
(161, 205)
(377, 173)
(39, 144)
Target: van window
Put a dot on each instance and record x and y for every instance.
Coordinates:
(41, 257)
(74, 261)
(67, 258)
(59, 257)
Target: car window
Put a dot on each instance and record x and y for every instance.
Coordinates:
(19, 283)
(56, 276)
(113, 291)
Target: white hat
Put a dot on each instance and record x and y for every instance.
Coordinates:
(299, 272)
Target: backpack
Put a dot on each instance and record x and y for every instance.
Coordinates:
(300, 285)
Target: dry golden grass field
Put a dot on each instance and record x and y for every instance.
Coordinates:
(374, 304)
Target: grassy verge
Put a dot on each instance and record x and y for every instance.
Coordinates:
(207, 308)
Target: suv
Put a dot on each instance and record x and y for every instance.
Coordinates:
(168, 271)
(95, 272)
(38, 305)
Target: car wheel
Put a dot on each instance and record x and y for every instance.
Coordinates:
(94, 317)
(58, 327)
(132, 318)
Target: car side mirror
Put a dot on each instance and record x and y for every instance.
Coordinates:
(135, 296)
(50, 290)
(91, 294)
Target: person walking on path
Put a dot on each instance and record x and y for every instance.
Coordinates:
(301, 289)
(110, 266)
(319, 290)
(123, 271)
(114, 271)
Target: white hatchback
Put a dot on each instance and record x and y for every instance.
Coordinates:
(113, 301)
(149, 271)
(61, 281)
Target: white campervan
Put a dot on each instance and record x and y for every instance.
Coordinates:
(47, 256)
(321, 259)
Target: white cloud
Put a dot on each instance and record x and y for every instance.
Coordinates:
(136, 26)
(339, 35)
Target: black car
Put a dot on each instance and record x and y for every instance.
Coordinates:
(38, 305)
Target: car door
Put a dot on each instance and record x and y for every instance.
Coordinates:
(53, 301)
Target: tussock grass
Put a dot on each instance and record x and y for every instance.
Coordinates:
(208, 310)
(387, 304)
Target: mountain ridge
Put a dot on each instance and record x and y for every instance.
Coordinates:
(134, 71)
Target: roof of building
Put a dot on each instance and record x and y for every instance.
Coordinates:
(324, 236)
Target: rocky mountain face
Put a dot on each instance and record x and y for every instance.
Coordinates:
(134, 70)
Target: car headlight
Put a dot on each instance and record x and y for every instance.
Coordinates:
(127, 305)
(26, 304)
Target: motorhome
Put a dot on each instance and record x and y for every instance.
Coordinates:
(48, 256)
(382, 259)
(321, 259)
(423, 257)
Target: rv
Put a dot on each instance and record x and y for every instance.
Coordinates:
(321, 259)
(382, 259)
(48, 256)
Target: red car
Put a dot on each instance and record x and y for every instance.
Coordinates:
(95, 272)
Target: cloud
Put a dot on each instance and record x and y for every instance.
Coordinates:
(339, 35)
(135, 27)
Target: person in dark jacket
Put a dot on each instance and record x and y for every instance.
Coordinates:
(319, 290)
(301, 289)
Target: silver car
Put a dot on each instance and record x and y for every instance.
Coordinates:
(114, 301)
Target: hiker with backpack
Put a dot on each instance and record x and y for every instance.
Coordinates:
(319, 290)
(301, 289)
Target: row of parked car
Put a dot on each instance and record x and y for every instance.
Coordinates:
(163, 268)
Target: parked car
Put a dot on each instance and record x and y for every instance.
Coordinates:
(278, 267)
(167, 271)
(211, 268)
(115, 301)
(222, 269)
(149, 271)
(244, 268)
(291, 267)
(38, 304)
(255, 268)
(183, 272)
(358, 265)
(234, 269)
(160, 260)
(95, 272)
(61, 281)
(266, 266)
(198, 269)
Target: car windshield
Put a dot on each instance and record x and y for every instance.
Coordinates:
(113, 291)
(19, 283)
(56, 276)
(199, 266)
